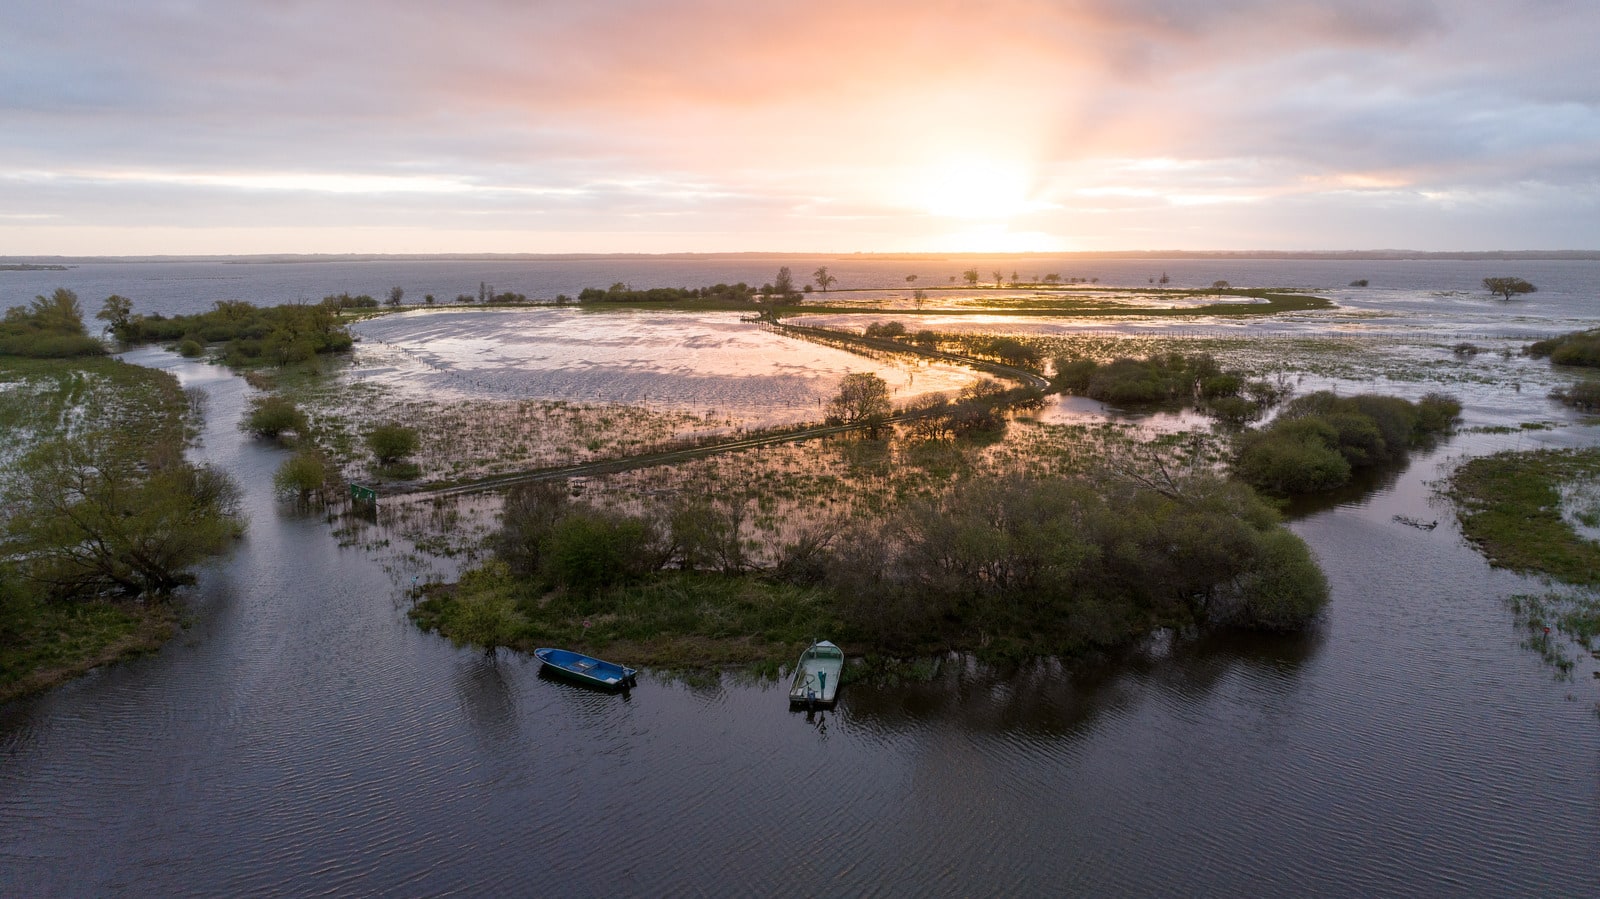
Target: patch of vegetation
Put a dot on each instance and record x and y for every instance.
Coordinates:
(734, 294)
(45, 643)
(1510, 507)
(1581, 348)
(673, 620)
(1172, 379)
(250, 335)
(101, 515)
(1003, 567)
(52, 328)
(1319, 440)
(1557, 623)
(1584, 395)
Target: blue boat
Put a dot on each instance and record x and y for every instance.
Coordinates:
(586, 670)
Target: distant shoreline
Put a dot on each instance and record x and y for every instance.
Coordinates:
(62, 263)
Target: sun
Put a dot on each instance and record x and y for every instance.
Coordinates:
(975, 189)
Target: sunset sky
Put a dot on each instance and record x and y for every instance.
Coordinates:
(726, 125)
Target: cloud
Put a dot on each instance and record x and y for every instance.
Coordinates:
(774, 116)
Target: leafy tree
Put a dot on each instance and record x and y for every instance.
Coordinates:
(271, 416)
(971, 276)
(863, 397)
(116, 312)
(485, 612)
(396, 294)
(87, 517)
(783, 286)
(823, 279)
(391, 442)
(531, 513)
(910, 279)
(1507, 287)
(999, 277)
(1220, 285)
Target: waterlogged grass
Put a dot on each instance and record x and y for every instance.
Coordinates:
(675, 620)
(462, 439)
(43, 644)
(45, 398)
(1559, 624)
(1510, 506)
(1076, 301)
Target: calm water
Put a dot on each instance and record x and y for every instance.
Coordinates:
(1567, 288)
(302, 737)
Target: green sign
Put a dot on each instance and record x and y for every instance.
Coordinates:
(360, 493)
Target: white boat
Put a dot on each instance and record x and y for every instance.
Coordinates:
(816, 676)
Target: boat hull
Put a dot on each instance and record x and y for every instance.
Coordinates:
(816, 677)
(586, 670)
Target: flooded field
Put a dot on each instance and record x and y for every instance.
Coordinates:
(712, 363)
(302, 735)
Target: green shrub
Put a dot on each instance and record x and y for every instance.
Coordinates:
(190, 349)
(1577, 348)
(391, 442)
(1221, 385)
(301, 475)
(1321, 438)
(1072, 375)
(1437, 413)
(1288, 460)
(1285, 589)
(589, 549)
(271, 416)
(1582, 395)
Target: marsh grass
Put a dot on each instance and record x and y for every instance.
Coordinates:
(69, 397)
(43, 644)
(466, 438)
(1510, 506)
(1560, 626)
(675, 620)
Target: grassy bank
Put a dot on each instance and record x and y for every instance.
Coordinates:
(44, 644)
(676, 620)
